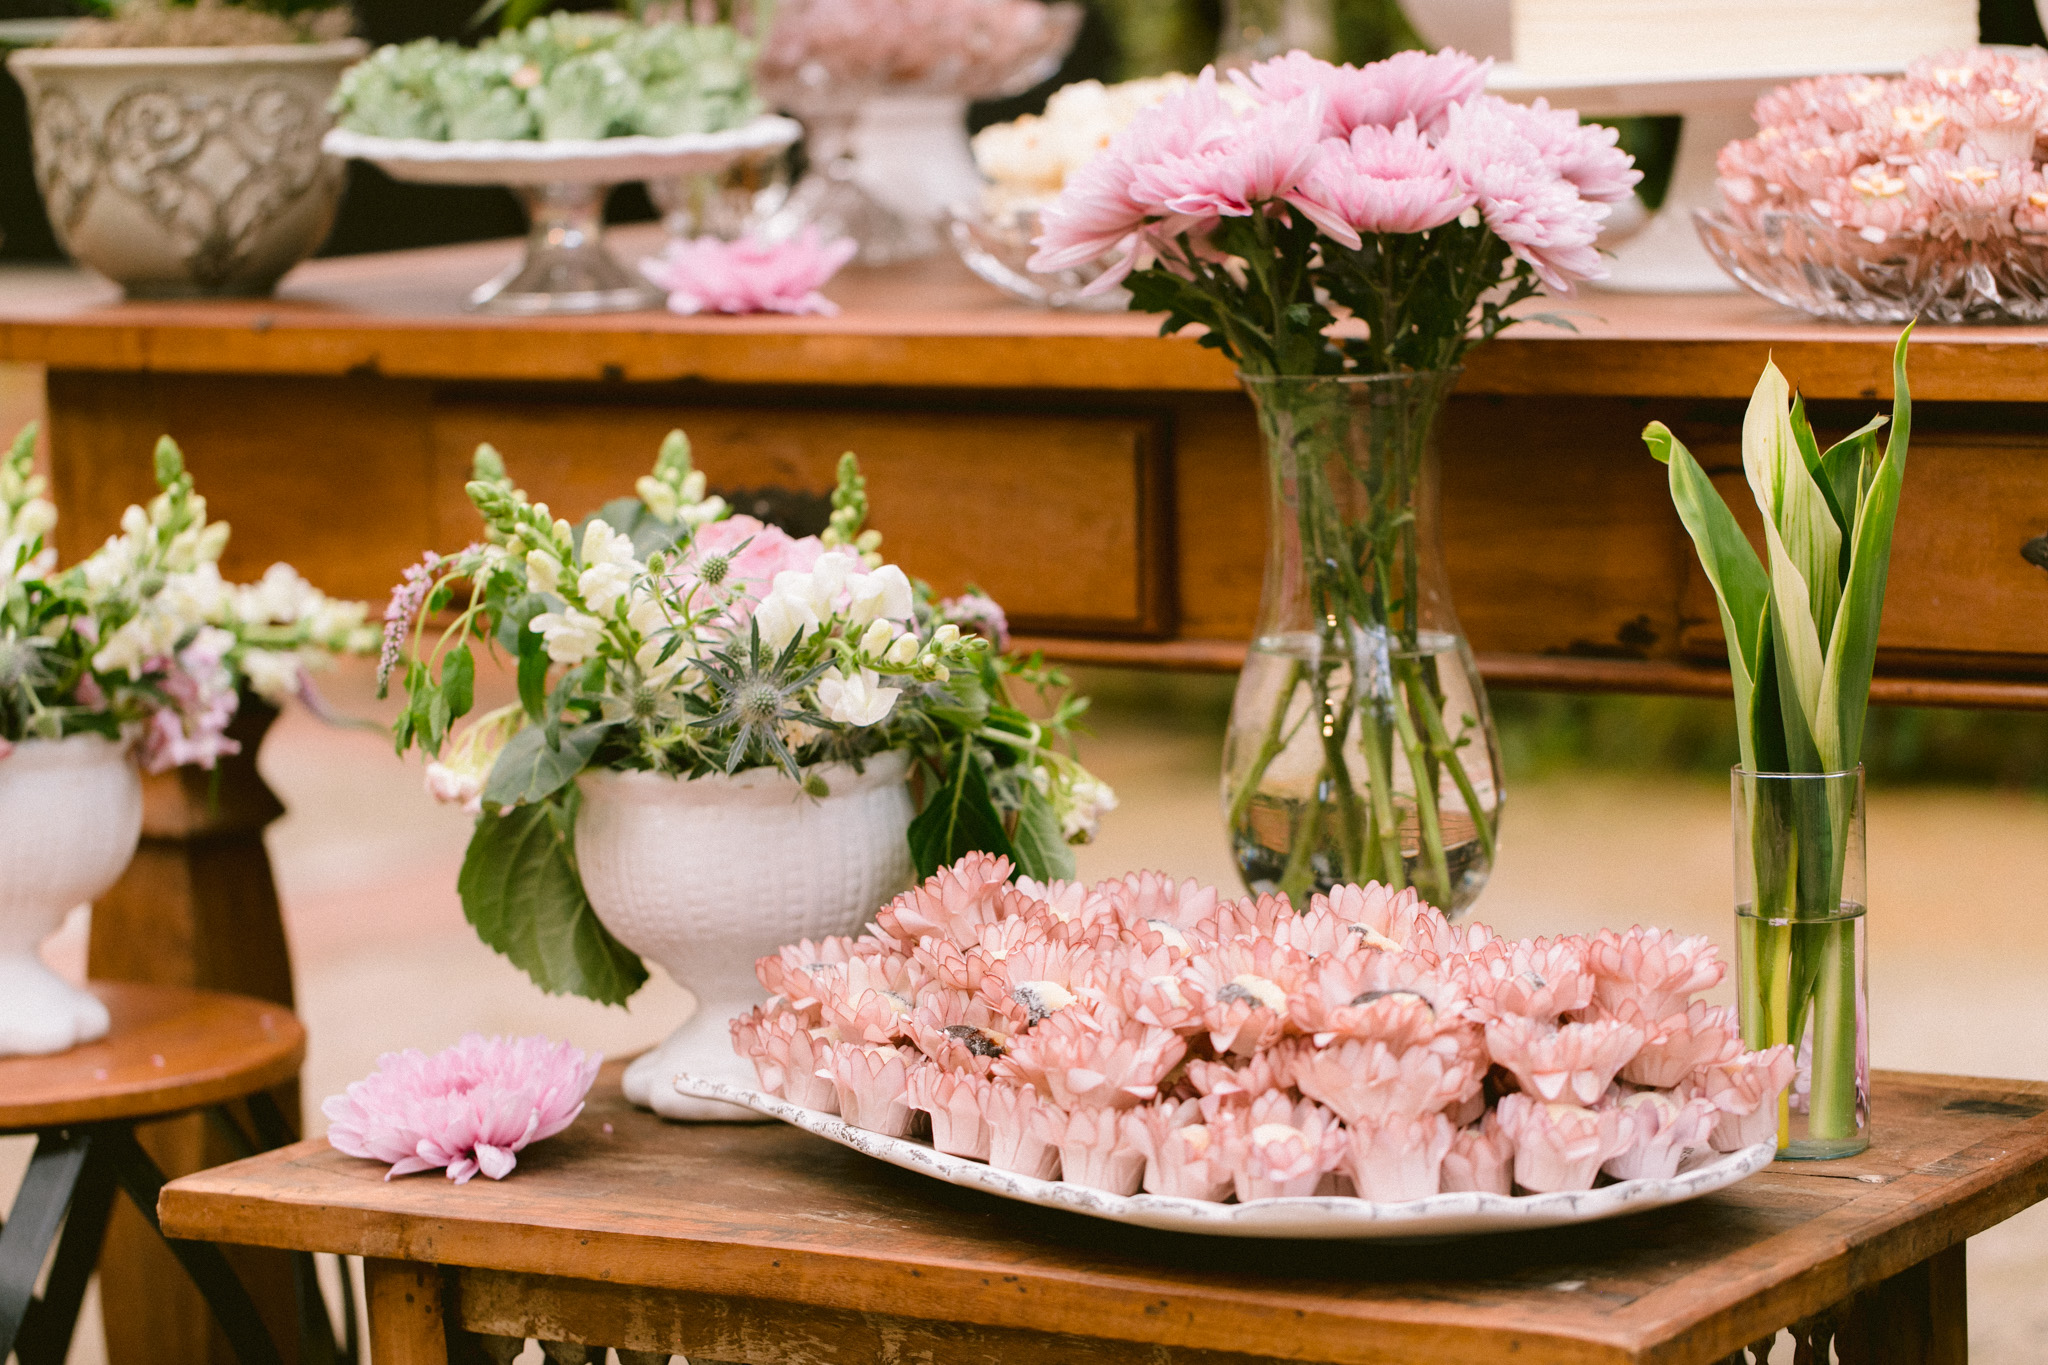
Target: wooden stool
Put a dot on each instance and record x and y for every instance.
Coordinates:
(170, 1051)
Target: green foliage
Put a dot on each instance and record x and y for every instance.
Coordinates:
(521, 890)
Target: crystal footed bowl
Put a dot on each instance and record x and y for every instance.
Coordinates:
(1956, 272)
(995, 243)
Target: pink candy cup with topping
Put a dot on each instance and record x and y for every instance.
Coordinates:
(1400, 1157)
(1013, 1145)
(1562, 1146)
(1481, 1157)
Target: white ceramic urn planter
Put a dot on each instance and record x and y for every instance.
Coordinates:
(703, 877)
(70, 814)
(181, 171)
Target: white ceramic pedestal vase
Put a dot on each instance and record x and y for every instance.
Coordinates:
(705, 876)
(70, 813)
(186, 170)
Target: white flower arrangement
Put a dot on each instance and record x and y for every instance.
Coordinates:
(665, 634)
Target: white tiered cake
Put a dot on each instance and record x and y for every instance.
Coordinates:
(1619, 39)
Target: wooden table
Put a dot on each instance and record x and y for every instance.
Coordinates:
(1103, 482)
(765, 1245)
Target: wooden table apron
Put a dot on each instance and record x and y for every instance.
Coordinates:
(763, 1244)
(1105, 483)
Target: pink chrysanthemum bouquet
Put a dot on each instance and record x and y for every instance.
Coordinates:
(1143, 1034)
(1345, 234)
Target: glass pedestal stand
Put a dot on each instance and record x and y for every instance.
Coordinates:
(566, 269)
(831, 197)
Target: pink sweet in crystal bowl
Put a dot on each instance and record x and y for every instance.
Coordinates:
(1144, 1034)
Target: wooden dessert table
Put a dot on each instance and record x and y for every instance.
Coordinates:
(1104, 483)
(765, 1245)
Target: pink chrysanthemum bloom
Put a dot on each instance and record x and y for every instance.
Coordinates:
(1747, 1092)
(788, 1059)
(1583, 153)
(1572, 1064)
(471, 1108)
(1481, 1157)
(1676, 1047)
(1182, 1155)
(1538, 979)
(1113, 1063)
(871, 1083)
(1393, 997)
(1367, 1080)
(2030, 215)
(2004, 121)
(1417, 86)
(953, 903)
(707, 275)
(1091, 1145)
(1974, 194)
(1242, 991)
(1665, 1131)
(1238, 163)
(1387, 920)
(955, 1102)
(1544, 220)
(871, 999)
(1656, 968)
(1278, 1148)
(1013, 1144)
(1399, 1157)
(1562, 1146)
(1381, 180)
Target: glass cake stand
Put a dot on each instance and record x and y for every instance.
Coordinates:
(565, 267)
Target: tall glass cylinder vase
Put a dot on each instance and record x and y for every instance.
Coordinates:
(1802, 973)
(1360, 747)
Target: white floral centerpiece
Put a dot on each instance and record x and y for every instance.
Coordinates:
(142, 653)
(723, 732)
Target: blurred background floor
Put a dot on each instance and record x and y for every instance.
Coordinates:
(366, 864)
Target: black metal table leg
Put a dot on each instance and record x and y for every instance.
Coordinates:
(45, 1337)
(53, 1174)
(232, 1307)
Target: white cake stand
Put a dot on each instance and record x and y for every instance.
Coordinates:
(563, 182)
(1667, 256)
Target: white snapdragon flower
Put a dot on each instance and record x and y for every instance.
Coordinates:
(703, 513)
(273, 674)
(108, 567)
(36, 517)
(783, 617)
(858, 700)
(453, 787)
(903, 653)
(645, 613)
(609, 567)
(657, 497)
(543, 571)
(1082, 802)
(877, 638)
(659, 672)
(33, 567)
(882, 595)
(572, 635)
(280, 597)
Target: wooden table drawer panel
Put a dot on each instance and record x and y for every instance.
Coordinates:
(1059, 516)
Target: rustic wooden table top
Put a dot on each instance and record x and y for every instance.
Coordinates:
(932, 325)
(772, 1213)
(170, 1049)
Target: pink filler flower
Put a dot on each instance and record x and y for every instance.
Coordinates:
(706, 275)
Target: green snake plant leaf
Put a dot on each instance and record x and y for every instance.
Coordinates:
(1809, 454)
(1796, 639)
(1806, 534)
(1741, 586)
(1852, 649)
(1841, 474)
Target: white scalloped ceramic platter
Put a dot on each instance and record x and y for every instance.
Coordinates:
(599, 161)
(1327, 1218)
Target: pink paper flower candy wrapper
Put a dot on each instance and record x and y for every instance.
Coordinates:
(870, 1080)
(1562, 1146)
(1182, 1155)
(1013, 1142)
(471, 1108)
(1091, 1145)
(1665, 1131)
(1481, 1157)
(706, 275)
(954, 1100)
(1399, 1157)
(1572, 1065)
(791, 1060)
(1278, 1150)
(1746, 1090)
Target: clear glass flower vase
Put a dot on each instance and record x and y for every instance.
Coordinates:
(1801, 967)
(1360, 747)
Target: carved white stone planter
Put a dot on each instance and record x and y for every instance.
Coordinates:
(705, 876)
(186, 170)
(70, 813)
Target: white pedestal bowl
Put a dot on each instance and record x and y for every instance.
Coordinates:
(704, 877)
(70, 814)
